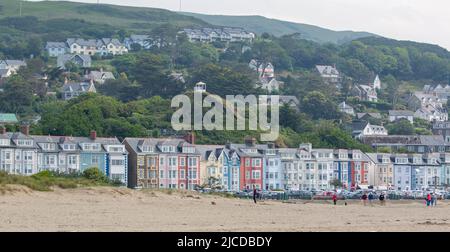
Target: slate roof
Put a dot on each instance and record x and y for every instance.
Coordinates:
(400, 113)
(62, 45)
(76, 87)
(327, 70)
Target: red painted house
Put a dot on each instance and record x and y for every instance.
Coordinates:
(251, 164)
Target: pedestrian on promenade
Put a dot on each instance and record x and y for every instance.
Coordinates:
(364, 199)
(381, 198)
(255, 194)
(371, 198)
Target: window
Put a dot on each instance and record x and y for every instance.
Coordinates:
(48, 146)
(192, 161)
(25, 142)
(117, 177)
(193, 173)
(28, 156)
(161, 161)
(94, 159)
(49, 160)
(4, 142)
(147, 148)
(72, 160)
(117, 162)
(256, 174)
(141, 161)
(182, 174)
(69, 147)
(172, 161)
(91, 147)
(116, 149)
(141, 174)
(247, 162)
(161, 174)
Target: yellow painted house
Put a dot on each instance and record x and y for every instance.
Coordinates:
(212, 165)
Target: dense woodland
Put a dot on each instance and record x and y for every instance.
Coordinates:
(137, 103)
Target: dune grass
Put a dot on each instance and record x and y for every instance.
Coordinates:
(46, 180)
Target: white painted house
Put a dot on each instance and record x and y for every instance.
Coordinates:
(395, 115)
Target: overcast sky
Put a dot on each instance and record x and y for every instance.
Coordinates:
(418, 20)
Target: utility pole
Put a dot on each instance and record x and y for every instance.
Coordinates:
(20, 8)
(180, 6)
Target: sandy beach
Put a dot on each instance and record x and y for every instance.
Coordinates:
(120, 209)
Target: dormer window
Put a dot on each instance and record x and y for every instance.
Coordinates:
(116, 149)
(250, 150)
(91, 147)
(25, 142)
(168, 148)
(4, 142)
(48, 146)
(188, 149)
(271, 152)
(68, 147)
(147, 148)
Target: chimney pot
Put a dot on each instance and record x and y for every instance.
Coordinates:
(25, 129)
(93, 135)
(190, 138)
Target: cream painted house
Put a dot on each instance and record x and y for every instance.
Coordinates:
(212, 165)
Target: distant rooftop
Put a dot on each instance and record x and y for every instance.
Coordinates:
(8, 118)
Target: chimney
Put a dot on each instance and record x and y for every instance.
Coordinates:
(250, 141)
(190, 138)
(2, 130)
(25, 129)
(93, 135)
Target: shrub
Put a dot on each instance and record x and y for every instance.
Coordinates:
(43, 174)
(95, 174)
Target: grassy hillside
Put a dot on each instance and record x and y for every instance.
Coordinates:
(117, 16)
(259, 24)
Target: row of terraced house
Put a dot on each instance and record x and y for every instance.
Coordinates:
(179, 163)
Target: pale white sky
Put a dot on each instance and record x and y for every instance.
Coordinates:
(418, 20)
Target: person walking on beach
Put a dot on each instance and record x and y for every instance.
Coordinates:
(428, 199)
(433, 199)
(255, 194)
(381, 198)
(371, 197)
(334, 198)
(364, 199)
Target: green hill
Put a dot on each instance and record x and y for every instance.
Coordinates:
(259, 24)
(113, 15)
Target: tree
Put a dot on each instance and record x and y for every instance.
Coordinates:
(223, 80)
(270, 52)
(336, 183)
(319, 106)
(17, 96)
(401, 127)
(121, 88)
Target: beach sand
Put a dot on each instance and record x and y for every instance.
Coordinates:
(120, 209)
